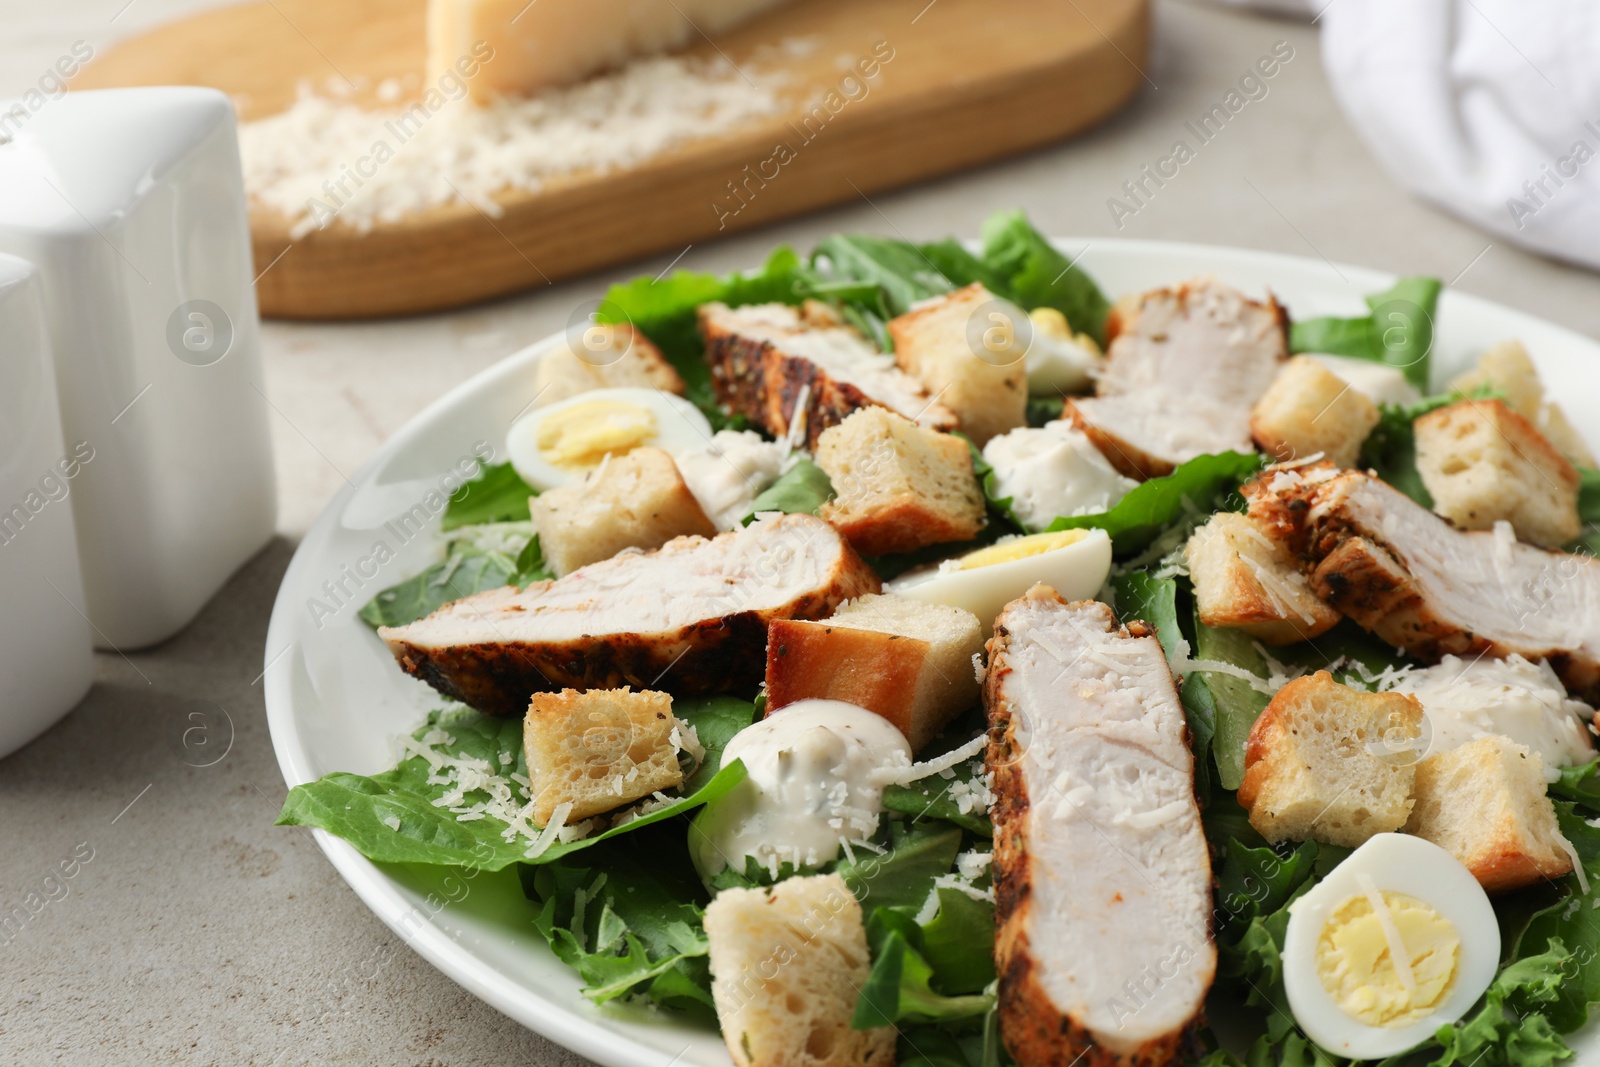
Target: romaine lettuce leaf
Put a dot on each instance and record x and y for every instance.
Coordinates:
(1398, 330)
(1199, 486)
(1034, 274)
(903, 876)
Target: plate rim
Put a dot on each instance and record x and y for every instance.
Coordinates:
(381, 893)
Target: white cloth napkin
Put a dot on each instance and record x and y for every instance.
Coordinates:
(1489, 108)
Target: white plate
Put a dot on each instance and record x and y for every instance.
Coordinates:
(336, 700)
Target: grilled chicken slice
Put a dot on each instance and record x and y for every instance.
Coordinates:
(1183, 369)
(1102, 875)
(763, 355)
(688, 618)
(1416, 581)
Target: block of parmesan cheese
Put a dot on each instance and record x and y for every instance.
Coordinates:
(539, 44)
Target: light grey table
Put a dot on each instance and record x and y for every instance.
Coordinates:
(199, 933)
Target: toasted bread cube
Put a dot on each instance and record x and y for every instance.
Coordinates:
(898, 486)
(1309, 409)
(1331, 763)
(1245, 580)
(1508, 369)
(787, 964)
(603, 357)
(598, 750)
(1483, 462)
(1485, 803)
(905, 660)
(637, 500)
(965, 348)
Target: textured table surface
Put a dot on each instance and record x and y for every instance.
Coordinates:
(198, 932)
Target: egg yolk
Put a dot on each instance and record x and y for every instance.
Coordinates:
(1357, 968)
(584, 434)
(1020, 548)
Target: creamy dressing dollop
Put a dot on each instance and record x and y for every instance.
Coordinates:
(811, 786)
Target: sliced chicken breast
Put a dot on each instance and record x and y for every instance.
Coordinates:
(1413, 579)
(1183, 369)
(690, 617)
(763, 356)
(1102, 874)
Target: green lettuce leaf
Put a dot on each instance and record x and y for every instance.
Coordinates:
(497, 494)
(1035, 274)
(803, 488)
(936, 797)
(1197, 487)
(1235, 703)
(903, 876)
(958, 942)
(664, 311)
(951, 259)
(1570, 922)
(391, 817)
(628, 919)
(1398, 330)
(900, 987)
(1391, 448)
(476, 558)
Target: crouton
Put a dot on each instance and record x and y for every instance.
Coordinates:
(637, 500)
(965, 349)
(1485, 804)
(1482, 462)
(1508, 369)
(1331, 763)
(897, 486)
(1245, 580)
(907, 661)
(1309, 409)
(598, 750)
(603, 357)
(787, 965)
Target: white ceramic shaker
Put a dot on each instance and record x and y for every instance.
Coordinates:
(131, 204)
(46, 648)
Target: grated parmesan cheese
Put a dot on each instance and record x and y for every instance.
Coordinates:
(326, 158)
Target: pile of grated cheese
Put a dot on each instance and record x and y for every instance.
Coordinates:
(326, 159)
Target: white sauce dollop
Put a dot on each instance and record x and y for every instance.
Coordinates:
(1512, 697)
(810, 786)
(1381, 383)
(1052, 472)
(728, 473)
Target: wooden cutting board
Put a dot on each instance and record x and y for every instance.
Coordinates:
(970, 81)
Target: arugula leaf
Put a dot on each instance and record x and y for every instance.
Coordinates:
(900, 986)
(474, 561)
(900, 269)
(1198, 486)
(903, 876)
(1570, 922)
(1580, 784)
(391, 817)
(951, 259)
(803, 488)
(1036, 274)
(1398, 330)
(628, 920)
(497, 494)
